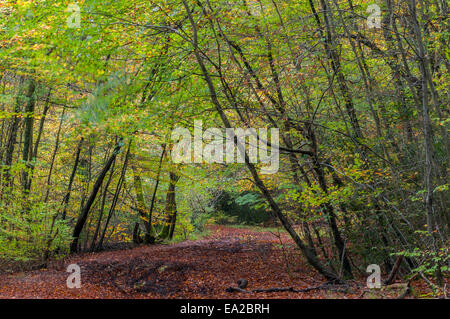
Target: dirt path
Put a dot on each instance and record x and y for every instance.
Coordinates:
(191, 269)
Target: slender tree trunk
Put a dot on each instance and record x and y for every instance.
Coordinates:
(85, 211)
(141, 206)
(28, 138)
(330, 49)
(149, 234)
(432, 226)
(312, 259)
(55, 151)
(102, 207)
(115, 198)
(13, 131)
(39, 134)
(66, 198)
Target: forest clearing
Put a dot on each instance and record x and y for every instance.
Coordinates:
(224, 149)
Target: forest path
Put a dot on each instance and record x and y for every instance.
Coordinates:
(190, 269)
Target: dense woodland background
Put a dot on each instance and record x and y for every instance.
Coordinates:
(86, 116)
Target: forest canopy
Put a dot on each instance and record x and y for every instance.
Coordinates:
(350, 96)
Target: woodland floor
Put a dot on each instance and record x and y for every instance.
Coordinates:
(190, 269)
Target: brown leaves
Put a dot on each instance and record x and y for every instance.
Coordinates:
(191, 269)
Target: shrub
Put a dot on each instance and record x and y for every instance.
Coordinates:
(31, 235)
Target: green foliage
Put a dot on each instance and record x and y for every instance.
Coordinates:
(27, 236)
(431, 261)
(129, 71)
(241, 208)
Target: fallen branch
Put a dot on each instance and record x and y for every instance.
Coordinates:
(431, 284)
(237, 289)
(408, 289)
(394, 271)
(325, 286)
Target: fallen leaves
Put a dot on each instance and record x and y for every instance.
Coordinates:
(191, 269)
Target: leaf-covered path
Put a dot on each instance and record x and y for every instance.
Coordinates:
(191, 269)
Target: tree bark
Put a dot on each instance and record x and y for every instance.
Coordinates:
(115, 198)
(85, 211)
(28, 136)
(171, 208)
(149, 232)
(66, 198)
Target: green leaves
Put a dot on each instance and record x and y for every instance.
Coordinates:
(25, 237)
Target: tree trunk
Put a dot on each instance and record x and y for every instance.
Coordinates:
(115, 198)
(13, 131)
(85, 211)
(102, 207)
(28, 138)
(312, 259)
(66, 198)
(55, 151)
(149, 232)
(171, 209)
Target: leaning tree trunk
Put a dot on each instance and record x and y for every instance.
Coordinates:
(115, 198)
(102, 207)
(66, 198)
(310, 256)
(85, 211)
